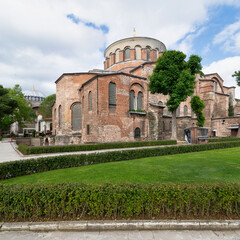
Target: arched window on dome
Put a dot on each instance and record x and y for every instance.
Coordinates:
(138, 52)
(131, 100)
(117, 55)
(76, 116)
(60, 117)
(127, 54)
(157, 53)
(148, 53)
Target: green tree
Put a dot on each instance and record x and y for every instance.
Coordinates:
(175, 77)
(23, 113)
(197, 106)
(7, 105)
(45, 108)
(237, 75)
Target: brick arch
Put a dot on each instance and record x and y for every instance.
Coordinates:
(219, 83)
(136, 83)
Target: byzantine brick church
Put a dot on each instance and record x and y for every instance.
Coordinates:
(115, 105)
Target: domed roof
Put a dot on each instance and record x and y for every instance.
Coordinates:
(33, 93)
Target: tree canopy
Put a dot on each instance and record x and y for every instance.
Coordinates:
(45, 108)
(7, 105)
(174, 76)
(237, 75)
(23, 112)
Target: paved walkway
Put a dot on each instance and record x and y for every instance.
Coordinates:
(123, 235)
(9, 152)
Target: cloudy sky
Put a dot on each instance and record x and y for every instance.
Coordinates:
(41, 39)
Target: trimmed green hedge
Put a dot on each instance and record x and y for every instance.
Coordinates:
(224, 139)
(122, 201)
(88, 147)
(30, 166)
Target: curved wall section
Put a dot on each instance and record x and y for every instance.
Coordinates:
(135, 49)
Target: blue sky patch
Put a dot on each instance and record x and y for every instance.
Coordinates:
(104, 28)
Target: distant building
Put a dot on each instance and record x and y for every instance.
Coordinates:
(114, 104)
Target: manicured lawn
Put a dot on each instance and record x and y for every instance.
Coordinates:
(201, 167)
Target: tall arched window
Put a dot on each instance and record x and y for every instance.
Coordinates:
(55, 114)
(90, 101)
(157, 53)
(178, 112)
(76, 116)
(82, 103)
(131, 100)
(60, 116)
(163, 126)
(137, 52)
(117, 55)
(139, 100)
(185, 110)
(112, 95)
(137, 133)
(215, 86)
(148, 54)
(192, 113)
(127, 54)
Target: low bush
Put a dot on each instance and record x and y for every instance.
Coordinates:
(224, 139)
(122, 201)
(30, 166)
(89, 147)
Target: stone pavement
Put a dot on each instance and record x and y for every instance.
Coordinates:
(9, 151)
(123, 235)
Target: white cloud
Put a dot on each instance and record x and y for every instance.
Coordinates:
(229, 37)
(38, 42)
(226, 68)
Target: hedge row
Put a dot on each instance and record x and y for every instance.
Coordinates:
(30, 166)
(122, 201)
(88, 147)
(224, 139)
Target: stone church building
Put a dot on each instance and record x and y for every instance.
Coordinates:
(114, 104)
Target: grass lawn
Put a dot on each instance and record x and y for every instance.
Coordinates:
(201, 167)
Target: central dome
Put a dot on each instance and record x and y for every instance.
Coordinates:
(134, 49)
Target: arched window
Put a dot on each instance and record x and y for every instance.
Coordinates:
(215, 86)
(82, 103)
(112, 95)
(139, 100)
(60, 116)
(127, 54)
(178, 111)
(160, 103)
(192, 113)
(76, 116)
(117, 55)
(185, 111)
(90, 101)
(137, 52)
(137, 133)
(131, 100)
(163, 126)
(55, 114)
(148, 54)
(170, 126)
(157, 53)
(169, 113)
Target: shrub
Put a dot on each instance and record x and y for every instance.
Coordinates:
(30, 166)
(89, 147)
(224, 139)
(121, 201)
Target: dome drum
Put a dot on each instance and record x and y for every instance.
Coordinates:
(133, 49)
